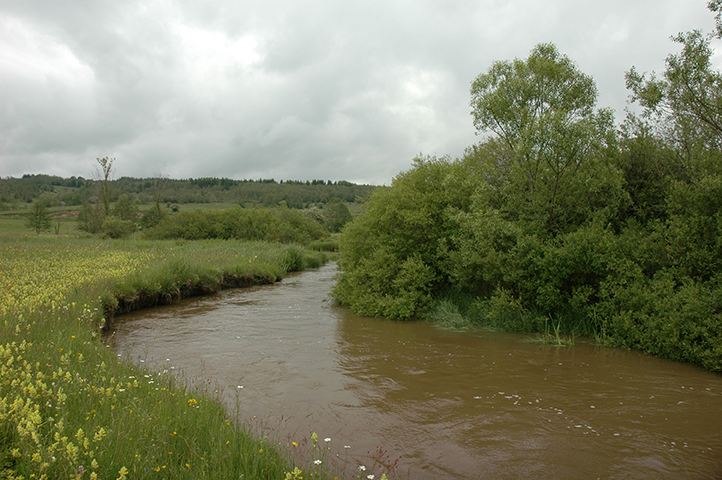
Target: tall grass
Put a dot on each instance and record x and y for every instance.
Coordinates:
(70, 409)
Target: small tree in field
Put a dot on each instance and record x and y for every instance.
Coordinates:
(38, 218)
(106, 164)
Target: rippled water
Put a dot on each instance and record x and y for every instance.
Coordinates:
(450, 405)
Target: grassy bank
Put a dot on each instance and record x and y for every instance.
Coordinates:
(70, 409)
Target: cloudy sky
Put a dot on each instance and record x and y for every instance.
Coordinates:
(335, 90)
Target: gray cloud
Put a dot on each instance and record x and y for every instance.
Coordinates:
(289, 90)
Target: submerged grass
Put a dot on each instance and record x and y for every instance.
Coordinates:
(459, 310)
(553, 337)
(445, 314)
(70, 409)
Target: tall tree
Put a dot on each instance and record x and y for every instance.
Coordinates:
(543, 110)
(687, 98)
(104, 176)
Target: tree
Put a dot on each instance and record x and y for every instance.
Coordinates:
(90, 218)
(688, 98)
(115, 227)
(716, 7)
(38, 218)
(106, 165)
(543, 110)
(153, 217)
(336, 214)
(125, 209)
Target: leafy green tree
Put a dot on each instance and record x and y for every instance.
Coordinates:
(90, 218)
(688, 98)
(38, 218)
(648, 166)
(115, 227)
(543, 110)
(125, 209)
(153, 216)
(336, 214)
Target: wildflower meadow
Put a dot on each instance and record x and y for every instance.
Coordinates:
(70, 409)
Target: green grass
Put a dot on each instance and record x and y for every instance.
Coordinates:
(553, 337)
(12, 222)
(70, 409)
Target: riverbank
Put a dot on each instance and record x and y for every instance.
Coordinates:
(70, 409)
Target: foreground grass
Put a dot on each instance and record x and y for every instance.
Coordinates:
(70, 409)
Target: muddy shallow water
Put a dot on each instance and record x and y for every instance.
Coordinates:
(444, 404)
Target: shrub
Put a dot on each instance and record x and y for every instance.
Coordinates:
(114, 227)
(276, 225)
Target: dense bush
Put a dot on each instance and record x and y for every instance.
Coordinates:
(272, 224)
(622, 242)
(115, 227)
(656, 287)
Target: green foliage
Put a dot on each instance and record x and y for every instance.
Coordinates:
(106, 165)
(556, 225)
(669, 315)
(126, 209)
(153, 216)
(115, 227)
(272, 224)
(391, 254)
(90, 218)
(72, 408)
(335, 215)
(648, 168)
(689, 99)
(38, 218)
(381, 286)
(694, 229)
(446, 314)
(159, 192)
(329, 244)
(542, 109)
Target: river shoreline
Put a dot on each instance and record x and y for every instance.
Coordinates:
(448, 404)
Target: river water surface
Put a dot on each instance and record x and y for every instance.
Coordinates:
(440, 404)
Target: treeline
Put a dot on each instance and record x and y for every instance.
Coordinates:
(74, 191)
(277, 223)
(560, 219)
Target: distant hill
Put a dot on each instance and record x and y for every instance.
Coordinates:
(58, 191)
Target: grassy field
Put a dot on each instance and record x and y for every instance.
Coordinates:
(13, 222)
(70, 409)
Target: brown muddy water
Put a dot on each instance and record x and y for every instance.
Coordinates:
(444, 404)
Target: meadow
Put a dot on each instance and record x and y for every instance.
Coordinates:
(70, 409)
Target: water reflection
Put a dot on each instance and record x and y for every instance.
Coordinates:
(452, 405)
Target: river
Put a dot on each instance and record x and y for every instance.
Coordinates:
(428, 402)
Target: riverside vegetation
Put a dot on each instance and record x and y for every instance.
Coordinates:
(70, 409)
(559, 221)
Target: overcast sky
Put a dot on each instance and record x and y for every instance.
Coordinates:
(300, 90)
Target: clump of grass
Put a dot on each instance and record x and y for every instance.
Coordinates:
(70, 409)
(329, 244)
(552, 337)
(446, 314)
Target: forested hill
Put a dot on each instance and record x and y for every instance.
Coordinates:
(57, 191)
